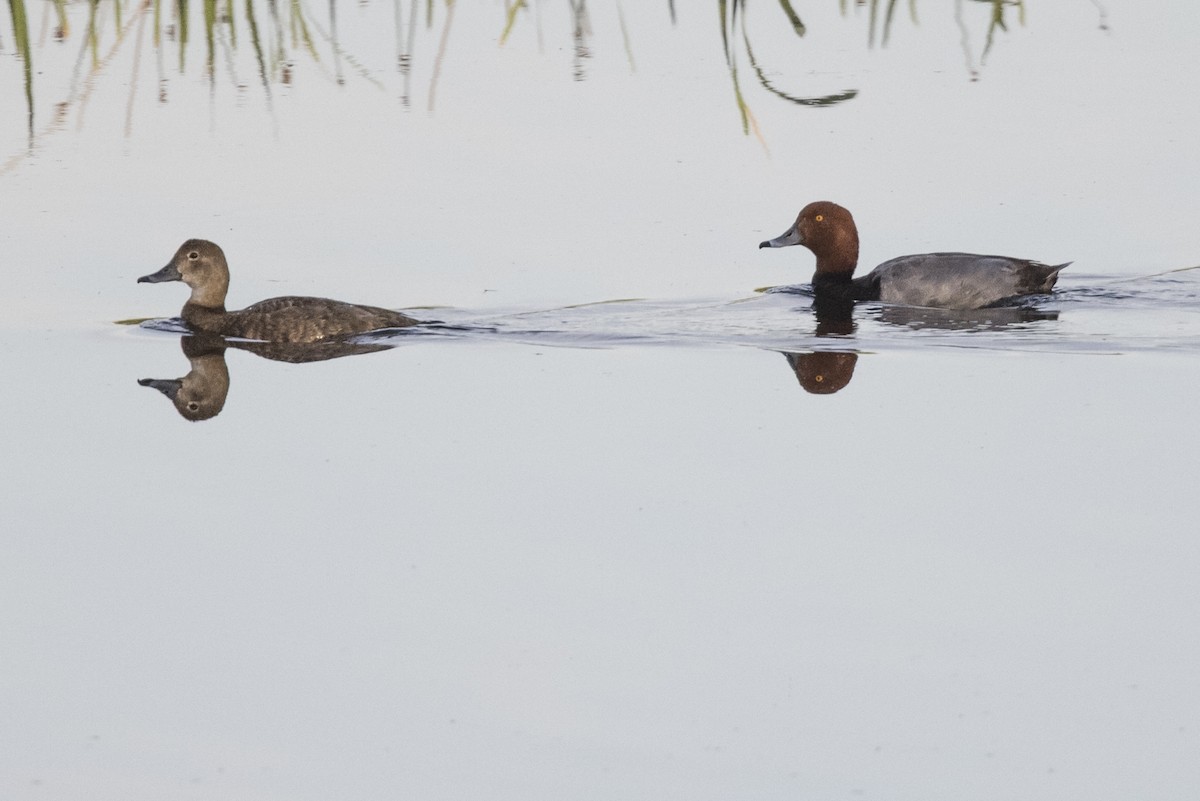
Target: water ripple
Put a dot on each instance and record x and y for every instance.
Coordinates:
(1091, 314)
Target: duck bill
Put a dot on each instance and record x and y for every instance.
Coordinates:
(168, 387)
(168, 273)
(789, 237)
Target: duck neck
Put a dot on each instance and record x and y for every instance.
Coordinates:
(843, 287)
(211, 294)
(209, 375)
(200, 317)
(833, 286)
(837, 256)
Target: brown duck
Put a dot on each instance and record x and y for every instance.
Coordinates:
(201, 265)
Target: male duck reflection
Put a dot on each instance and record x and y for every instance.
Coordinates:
(201, 265)
(939, 280)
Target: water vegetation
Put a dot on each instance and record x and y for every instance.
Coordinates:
(278, 33)
(733, 28)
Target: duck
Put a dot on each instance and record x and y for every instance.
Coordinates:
(936, 280)
(202, 266)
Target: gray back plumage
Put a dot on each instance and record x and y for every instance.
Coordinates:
(961, 280)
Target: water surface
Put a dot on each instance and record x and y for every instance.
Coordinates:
(624, 526)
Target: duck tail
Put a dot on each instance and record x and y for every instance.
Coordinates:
(1051, 276)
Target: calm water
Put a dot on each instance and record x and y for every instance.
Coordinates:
(626, 526)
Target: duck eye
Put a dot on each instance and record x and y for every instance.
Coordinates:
(193, 255)
(193, 406)
(820, 218)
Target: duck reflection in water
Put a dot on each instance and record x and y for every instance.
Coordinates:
(201, 265)
(824, 372)
(200, 395)
(990, 319)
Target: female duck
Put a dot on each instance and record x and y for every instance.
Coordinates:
(940, 280)
(201, 265)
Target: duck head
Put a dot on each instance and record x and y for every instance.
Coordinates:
(829, 232)
(201, 265)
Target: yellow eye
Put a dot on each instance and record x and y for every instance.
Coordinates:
(820, 217)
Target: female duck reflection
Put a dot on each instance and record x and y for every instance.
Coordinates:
(200, 395)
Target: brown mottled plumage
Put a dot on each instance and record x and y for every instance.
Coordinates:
(201, 265)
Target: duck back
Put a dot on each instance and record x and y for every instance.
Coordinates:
(295, 319)
(960, 280)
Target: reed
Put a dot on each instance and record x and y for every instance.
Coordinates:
(93, 39)
(441, 53)
(288, 28)
(181, 22)
(792, 17)
(510, 20)
(997, 21)
(20, 23)
(256, 45)
(733, 28)
(135, 71)
(210, 20)
(625, 38)
(300, 33)
(60, 12)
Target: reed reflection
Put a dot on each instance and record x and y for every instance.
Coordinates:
(881, 16)
(733, 27)
(276, 35)
(20, 27)
(200, 395)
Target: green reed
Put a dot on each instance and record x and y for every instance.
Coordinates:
(182, 17)
(733, 29)
(510, 20)
(20, 23)
(256, 44)
(288, 28)
(997, 21)
(60, 11)
(792, 17)
(300, 33)
(210, 22)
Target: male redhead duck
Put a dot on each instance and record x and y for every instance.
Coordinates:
(201, 265)
(939, 280)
